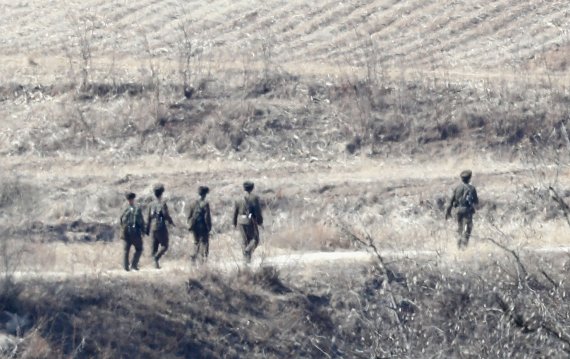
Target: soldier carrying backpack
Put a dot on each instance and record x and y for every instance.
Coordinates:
(247, 215)
(464, 199)
(132, 229)
(200, 222)
(158, 218)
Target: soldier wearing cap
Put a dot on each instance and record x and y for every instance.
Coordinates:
(200, 222)
(132, 228)
(247, 214)
(464, 199)
(158, 218)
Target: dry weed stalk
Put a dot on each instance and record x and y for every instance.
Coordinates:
(386, 272)
(561, 203)
(186, 52)
(517, 317)
(84, 31)
(154, 76)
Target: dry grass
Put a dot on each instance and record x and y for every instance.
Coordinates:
(440, 310)
(411, 34)
(369, 126)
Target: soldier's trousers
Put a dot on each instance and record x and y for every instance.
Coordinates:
(132, 241)
(201, 245)
(250, 239)
(465, 226)
(159, 239)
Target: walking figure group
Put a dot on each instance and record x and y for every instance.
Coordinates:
(247, 216)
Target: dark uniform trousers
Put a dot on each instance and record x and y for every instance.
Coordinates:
(132, 240)
(464, 225)
(201, 244)
(250, 239)
(159, 238)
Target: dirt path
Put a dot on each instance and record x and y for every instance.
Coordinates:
(176, 271)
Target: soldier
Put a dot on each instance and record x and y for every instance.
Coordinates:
(200, 223)
(464, 198)
(247, 214)
(158, 217)
(132, 227)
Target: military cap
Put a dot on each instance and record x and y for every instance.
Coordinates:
(202, 190)
(158, 189)
(130, 195)
(466, 174)
(248, 185)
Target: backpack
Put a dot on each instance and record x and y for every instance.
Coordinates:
(199, 214)
(247, 212)
(129, 219)
(468, 198)
(158, 216)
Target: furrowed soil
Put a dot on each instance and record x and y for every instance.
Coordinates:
(354, 120)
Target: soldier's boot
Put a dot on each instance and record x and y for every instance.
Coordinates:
(247, 256)
(159, 255)
(136, 258)
(194, 255)
(249, 249)
(463, 240)
(205, 251)
(126, 261)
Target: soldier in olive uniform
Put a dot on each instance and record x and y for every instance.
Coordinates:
(464, 198)
(200, 222)
(158, 217)
(132, 228)
(247, 214)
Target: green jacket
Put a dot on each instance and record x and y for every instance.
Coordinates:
(158, 216)
(132, 221)
(249, 208)
(459, 193)
(199, 219)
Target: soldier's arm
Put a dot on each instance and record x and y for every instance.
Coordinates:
(258, 210)
(208, 217)
(190, 215)
(450, 206)
(149, 220)
(140, 220)
(167, 214)
(475, 197)
(236, 213)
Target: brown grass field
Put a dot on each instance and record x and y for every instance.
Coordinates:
(354, 120)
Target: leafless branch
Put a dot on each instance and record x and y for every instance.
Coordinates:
(563, 206)
(387, 274)
(515, 255)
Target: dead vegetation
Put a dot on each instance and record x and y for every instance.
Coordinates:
(295, 118)
(418, 310)
(263, 86)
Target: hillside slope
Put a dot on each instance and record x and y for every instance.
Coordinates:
(476, 35)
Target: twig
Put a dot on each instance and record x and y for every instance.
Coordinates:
(322, 351)
(515, 255)
(368, 242)
(556, 197)
(518, 319)
(549, 278)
